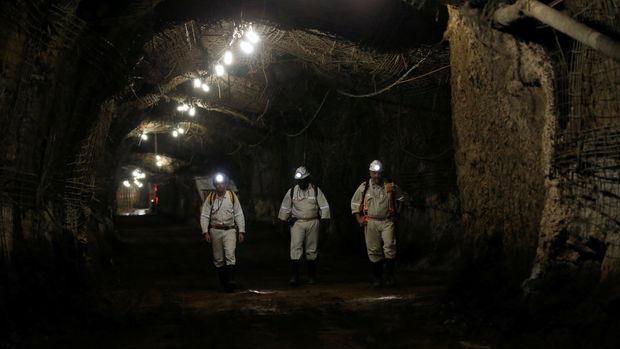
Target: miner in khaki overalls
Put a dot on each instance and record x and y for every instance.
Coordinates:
(222, 223)
(374, 206)
(305, 208)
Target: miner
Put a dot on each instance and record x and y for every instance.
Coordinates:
(374, 206)
(222, 224)
(305, 209)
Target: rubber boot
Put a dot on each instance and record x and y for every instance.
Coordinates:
(390, 265)
(377, 274)
(231, 285)
(294, 281)
(312, 272)
(221, 274)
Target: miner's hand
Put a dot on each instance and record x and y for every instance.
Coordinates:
(323, 225)
(284, 227)
(241, 237)
(207, 236)
(361, 220)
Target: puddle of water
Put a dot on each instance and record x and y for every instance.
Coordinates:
(261, 292)
(380, 299)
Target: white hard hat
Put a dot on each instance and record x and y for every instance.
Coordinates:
(301, 173)
(376, 166)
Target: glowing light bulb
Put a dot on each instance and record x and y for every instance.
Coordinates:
(206, 87)
(144, 137)
(219, 70)
(159, 164)
(246, 47)
(252, 36)
(298, 175)
(197, 83)
(175, 133)
(228, 58)
(126, 183)
(192, 111)
(135, 173)
(157, 157)
(181, 130)
(376, 167)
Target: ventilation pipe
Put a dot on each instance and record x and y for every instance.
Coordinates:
(559, 21)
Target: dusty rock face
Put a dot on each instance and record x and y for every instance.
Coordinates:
(503, 101)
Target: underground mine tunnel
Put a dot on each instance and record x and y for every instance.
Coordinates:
(310, 174)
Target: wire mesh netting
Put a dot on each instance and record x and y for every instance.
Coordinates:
(587, 158)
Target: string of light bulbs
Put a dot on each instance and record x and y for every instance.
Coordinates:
(244, 39)
(137, 175)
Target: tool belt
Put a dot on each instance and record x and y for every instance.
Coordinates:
(307, 219)
(222, 227)
(291, 221)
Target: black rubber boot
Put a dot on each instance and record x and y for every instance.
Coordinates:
(221, 274)
(312, 272)
(390, 265)
(231, 285)
(377, 274)
(294, 281)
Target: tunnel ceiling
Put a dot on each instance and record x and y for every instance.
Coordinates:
(148, 52)
(295, 47)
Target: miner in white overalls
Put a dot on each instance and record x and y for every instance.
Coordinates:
(222, 224)
(374, 205)
(305, 208)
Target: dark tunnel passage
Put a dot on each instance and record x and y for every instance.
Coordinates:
(492, 219)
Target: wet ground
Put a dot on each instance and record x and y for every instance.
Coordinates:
(162, 292)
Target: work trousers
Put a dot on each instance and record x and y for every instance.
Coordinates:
(304, 234)
(380, 240)
(224, 243)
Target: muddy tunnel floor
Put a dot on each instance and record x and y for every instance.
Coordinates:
(165, 289)
(161, 291)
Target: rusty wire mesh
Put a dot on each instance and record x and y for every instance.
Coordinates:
(587, 158)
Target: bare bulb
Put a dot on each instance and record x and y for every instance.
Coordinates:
(228, 58)
(219, 70)
(246, 47)
(252, 36)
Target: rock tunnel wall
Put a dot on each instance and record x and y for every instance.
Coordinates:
(583, 246)
(49, 100)
(503, 109)
(536, 152)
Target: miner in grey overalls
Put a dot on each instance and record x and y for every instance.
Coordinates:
(222, 224)
(305, 208)
(374, 205)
